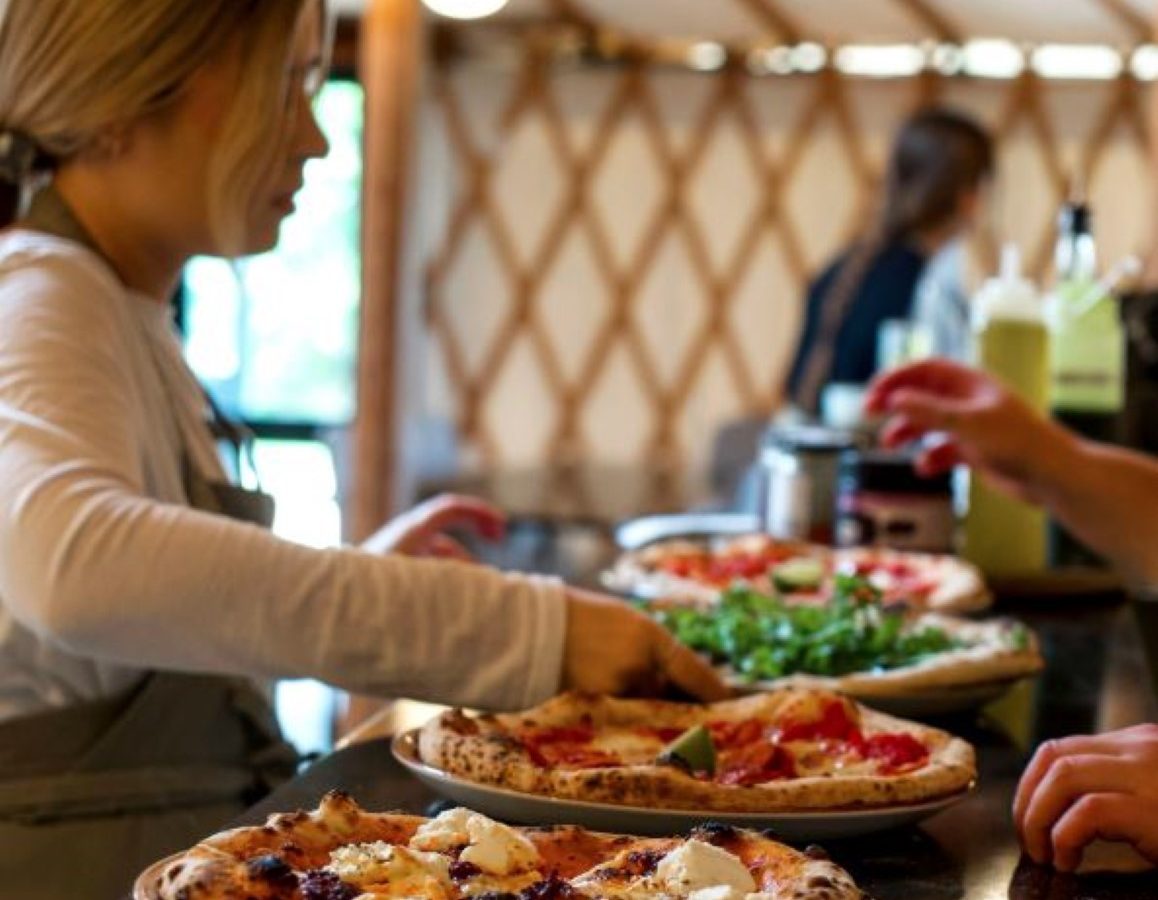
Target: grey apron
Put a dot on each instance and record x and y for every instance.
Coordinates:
(91, 794)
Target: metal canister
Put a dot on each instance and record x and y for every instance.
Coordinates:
(801, 465)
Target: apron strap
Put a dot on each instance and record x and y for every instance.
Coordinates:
(77, 795)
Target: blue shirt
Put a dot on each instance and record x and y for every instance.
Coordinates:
(886, 292)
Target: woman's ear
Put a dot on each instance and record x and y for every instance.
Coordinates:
(112, 144)
(970, 205)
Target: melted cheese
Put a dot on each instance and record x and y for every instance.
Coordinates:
(629, 747)
(393, 871)
(488, 844)
(812, 759)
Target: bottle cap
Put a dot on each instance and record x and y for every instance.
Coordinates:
(1009, 295)
(1075, 218)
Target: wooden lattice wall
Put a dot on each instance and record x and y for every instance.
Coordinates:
(617, 256)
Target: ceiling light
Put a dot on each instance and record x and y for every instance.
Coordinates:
(707, 56)
(465, 9)
(1144, 65)
(1084, 61)
(948, 59)
(809, 57)
(994, 59)
(881, 61)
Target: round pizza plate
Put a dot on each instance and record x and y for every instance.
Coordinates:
(917, 704)
(530, 809)
(941, 701)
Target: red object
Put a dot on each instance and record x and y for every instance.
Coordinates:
(897, 751)
(834, 724)
(756, 764)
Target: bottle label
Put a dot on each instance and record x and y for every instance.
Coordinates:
(1087, 375)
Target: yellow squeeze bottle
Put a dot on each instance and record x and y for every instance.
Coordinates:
(1003, 536)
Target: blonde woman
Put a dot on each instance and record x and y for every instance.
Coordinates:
(137, 596)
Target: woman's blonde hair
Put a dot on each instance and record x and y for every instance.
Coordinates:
(74, 71)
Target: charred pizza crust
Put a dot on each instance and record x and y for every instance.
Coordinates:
(958, 586)
(267, 862)
(641, 572)
(486, 749)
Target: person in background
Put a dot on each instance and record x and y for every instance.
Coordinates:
(1080, 788)
(907, 268)
(141, 595)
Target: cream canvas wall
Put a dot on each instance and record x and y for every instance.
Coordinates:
(514, 335)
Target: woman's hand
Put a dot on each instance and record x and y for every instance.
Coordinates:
(421, 531)
(981, 423)
(1079, 789)
(613, 649)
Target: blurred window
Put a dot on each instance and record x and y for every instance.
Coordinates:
(273, 337)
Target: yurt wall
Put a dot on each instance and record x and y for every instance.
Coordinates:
(616, 255)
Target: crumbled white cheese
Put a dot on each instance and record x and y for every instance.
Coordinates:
(696, 865)
(447, 831)
(490, 845)
(409, 873)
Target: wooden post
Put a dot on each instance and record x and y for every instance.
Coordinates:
(390, 65)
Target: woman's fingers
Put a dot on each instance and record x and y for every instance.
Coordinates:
(900, 430)
(927, 410)
(612, 648)
(456, 511)
(1049, 753)
(687, 670)
(938, 457)
(939, 377)
(1111, 817)
(1067, 781)
(444, 546)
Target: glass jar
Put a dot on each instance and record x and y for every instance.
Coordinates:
(800, 465)
(883, 502)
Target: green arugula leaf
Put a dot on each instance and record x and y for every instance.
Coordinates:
(762, 637)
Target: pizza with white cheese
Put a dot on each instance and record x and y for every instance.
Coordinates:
(342, 852)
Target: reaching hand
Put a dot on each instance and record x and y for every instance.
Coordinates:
(983, 424)
(421, 531)
(614, 649)
(1078, 789)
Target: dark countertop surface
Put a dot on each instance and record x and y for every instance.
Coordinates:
(1096, 679)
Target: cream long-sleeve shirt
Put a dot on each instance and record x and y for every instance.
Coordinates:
(106, 573)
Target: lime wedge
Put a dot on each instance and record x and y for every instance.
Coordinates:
(692, 750)
(803, 574)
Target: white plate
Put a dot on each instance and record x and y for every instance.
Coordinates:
(530, 809)
(943, 701)
(916, 704)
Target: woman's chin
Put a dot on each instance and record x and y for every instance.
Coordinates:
(264, 239)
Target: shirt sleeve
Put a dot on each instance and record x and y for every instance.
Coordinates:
(90, 563)
(941, 307)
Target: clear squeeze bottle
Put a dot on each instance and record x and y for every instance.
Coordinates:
(1003, 536)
